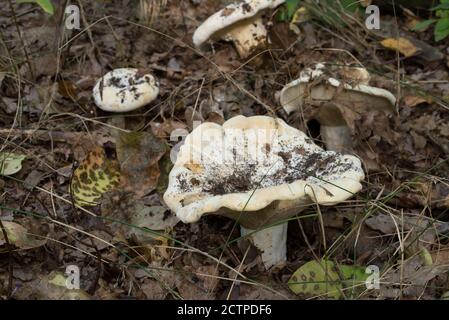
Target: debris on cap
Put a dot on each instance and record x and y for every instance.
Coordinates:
(352, 79)
(125, 89)
(221, 166)
(240, 23)
(257, 170)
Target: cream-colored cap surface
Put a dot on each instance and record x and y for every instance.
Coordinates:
(293, 94)
(125, 89)
(252, 163)
(230, 15)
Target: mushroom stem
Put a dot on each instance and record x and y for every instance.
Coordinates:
(336, 138)
(248, 36)
(272, 242)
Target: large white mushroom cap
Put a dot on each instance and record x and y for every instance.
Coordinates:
(293, 94)
(238, 22)
(125, 89)
(257, 170)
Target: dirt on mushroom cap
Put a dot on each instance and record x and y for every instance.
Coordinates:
(234, 160)
(290, 163)
(125, 89)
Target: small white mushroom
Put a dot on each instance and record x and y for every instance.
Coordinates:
(258, 171)
(240, 23)
(125, 89)
(317, 87)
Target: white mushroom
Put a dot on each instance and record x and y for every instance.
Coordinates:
(258, 171)
(318, 87)
(125, 89)
(240, 23)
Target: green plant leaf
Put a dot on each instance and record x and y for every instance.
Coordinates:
(96, 175)
(286, 13)
(350, 5)
(10, 163)
(441, 29)
(326, 278)
(441, 6)
(442, 10)
(426, 257)
(46, 5)
(423, 25)
(292, 6)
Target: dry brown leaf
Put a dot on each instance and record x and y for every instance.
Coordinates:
(189, 290)
(412, 101)
(138, 154)
(425, 122)
(404, 46)
(441, 256)
(49, 287)
(424, 230)
(153, 290)
(209, 275)
(164, 129)
(409, 280)
(252, 292)
(444, 129)
(411, 20)
(433, 195)
(419, 141)
(20, 237)
(67, 89)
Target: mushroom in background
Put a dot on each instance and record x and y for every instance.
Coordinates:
(240, 23)
(258, 171)
(125, 89)
(330, 91)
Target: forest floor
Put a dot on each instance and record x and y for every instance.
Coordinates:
(399, 222)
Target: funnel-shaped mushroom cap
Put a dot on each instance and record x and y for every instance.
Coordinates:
(125, 89)
(354, 91)
(257, 170)
(238, 22)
